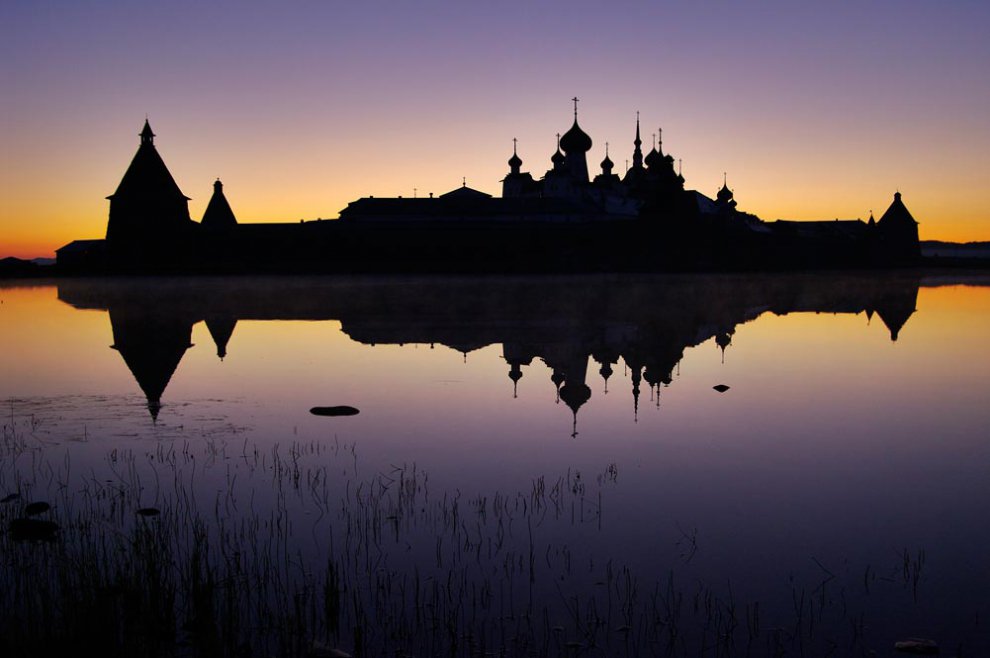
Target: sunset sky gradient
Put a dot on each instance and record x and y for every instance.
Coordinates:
(815, 112)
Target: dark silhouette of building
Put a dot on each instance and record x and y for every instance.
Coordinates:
(564, 221)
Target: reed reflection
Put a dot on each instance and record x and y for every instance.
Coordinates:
(644, 323)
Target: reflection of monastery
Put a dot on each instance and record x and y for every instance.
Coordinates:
(570, 219)
(571, 323)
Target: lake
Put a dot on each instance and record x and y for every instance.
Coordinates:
(772, 464)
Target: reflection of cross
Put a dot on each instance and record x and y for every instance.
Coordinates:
(575, 99)
(464, 181)
(513, 146)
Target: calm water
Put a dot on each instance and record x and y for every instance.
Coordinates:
(840, 482)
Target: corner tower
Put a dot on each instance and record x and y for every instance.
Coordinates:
(148, 205)
(218, 213)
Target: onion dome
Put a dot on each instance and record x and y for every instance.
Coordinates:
(652, 159)
(724, 194)
(607, 163)
(515, 161)
(575, 140)
(557, 158)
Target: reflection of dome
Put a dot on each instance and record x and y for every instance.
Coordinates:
(575, 395)
(607, 163)
(575, 140)
(557, 158)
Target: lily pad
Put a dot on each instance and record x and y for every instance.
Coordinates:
(334, 411)
(149, 511)
(721, 388)
(9, 498)
(32, 530)
(39, 507)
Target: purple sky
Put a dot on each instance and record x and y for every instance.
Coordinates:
(814, 111)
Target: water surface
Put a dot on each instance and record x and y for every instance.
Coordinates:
(844, 468)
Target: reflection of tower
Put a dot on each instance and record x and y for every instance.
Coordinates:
(221, 327)
(515, 374)
(575, 391)
(606, 359)
(895, 311)
(151, 344)
(723, 339)
(557, 377)
(651, 375)
(637, 377)
(516, 357)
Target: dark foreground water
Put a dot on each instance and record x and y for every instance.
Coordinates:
(538, 466)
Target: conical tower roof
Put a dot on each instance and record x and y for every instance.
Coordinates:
(147, 177)
(897, 214)
(218, 213)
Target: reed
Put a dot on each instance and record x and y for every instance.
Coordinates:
(219, 547)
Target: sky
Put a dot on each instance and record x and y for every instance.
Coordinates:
(813, 110)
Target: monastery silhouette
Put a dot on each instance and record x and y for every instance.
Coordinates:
(565, 221)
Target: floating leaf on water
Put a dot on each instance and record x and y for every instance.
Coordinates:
(9, 498)
(37, 508)
(721, 388)
(334, 411)
(149, 511)
(32, 530)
